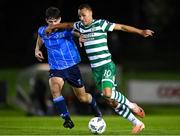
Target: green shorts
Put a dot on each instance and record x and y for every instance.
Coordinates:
(104, 76)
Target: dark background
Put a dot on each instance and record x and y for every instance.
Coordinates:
(21, 19)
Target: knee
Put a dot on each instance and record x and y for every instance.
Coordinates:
(55, 87)
(82, 98)
(107, 92)
(111, 103)
(55, 92)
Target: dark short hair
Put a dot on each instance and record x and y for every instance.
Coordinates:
(52, 12)
(87, 6)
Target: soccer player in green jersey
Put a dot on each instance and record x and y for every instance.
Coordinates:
(94, 38)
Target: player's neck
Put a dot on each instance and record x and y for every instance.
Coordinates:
(90, 22)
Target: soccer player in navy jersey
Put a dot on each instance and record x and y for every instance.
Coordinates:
(63, 57)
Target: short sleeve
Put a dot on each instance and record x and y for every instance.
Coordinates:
(106, 25)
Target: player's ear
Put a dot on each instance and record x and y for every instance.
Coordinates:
(90, 12)
(59, 19)
(46, 20)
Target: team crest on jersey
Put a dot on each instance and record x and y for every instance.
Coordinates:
(61, 35)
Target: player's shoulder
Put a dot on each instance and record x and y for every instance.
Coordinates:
(105, 21)
(100, 21)
(41, 29)
(77, 23)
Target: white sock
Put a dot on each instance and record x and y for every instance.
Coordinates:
(120, 98)
(126, 113)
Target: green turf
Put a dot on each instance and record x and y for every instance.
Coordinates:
(160, 120)
(155, 125)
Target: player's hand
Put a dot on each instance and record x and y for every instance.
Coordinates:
(81, 40)
(39, 56)
(147, 33)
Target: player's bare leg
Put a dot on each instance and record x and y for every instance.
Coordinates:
(87, 98)
(56, 84)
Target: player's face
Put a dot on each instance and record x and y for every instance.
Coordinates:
(53, 21)
(85, 16)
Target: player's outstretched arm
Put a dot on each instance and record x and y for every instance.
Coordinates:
(49, 29)
(130, 29)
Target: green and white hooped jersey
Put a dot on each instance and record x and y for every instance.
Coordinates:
(96, 41)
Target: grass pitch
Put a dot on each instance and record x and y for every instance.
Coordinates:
(21, 125)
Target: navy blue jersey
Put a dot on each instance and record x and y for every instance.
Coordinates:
(61, 49)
